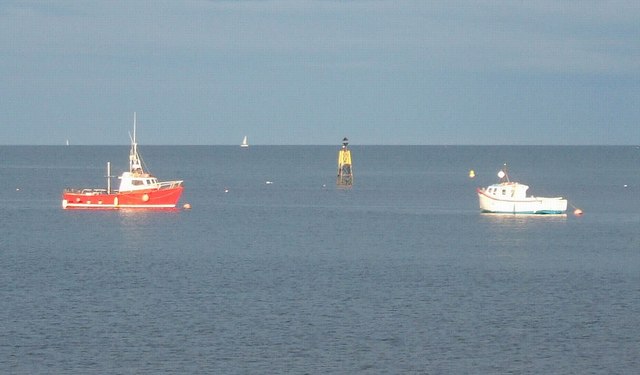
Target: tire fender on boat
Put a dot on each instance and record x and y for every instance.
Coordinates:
(145, 197)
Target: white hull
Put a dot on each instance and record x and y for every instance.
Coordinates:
(528, 205)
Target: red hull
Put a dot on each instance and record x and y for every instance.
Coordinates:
(139, 199)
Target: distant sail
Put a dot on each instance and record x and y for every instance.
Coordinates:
(244, 143)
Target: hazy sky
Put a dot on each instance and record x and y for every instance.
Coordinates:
(312, 72)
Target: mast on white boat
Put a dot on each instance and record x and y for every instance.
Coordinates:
(504, 174)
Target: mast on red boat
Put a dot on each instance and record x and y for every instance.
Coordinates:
(135, 162)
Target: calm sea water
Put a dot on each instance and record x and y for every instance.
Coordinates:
(401, 274)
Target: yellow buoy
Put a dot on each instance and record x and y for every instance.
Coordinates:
(345, 168)
(577, 212)
(187, 206)
(472, 174)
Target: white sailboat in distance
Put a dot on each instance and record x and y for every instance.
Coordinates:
(244, 143)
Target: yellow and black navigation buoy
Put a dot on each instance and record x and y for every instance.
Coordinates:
(345, 169)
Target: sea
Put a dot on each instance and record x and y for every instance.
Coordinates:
(274, 270)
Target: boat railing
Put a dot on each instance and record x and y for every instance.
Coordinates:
(169, 184)
(86, 191)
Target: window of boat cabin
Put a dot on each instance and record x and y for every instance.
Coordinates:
(136, 182)
(504, 192)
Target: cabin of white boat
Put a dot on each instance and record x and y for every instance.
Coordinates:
(507, 190)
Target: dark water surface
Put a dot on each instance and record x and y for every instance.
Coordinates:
(401, 274)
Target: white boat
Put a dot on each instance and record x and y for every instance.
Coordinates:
(508, 197)
(244, 143)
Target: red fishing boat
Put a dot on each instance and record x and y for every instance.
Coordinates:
(138, 189)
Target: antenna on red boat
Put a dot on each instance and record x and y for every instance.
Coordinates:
(109, 177)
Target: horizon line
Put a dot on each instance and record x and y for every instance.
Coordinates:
(327, 144)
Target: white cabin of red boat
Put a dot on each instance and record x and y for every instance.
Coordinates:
(137, 181)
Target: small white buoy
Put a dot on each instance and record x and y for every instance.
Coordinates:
(226, 190)
(578, 212)
(269, 182)
(17, 189)
(187, 206)
(625, 185)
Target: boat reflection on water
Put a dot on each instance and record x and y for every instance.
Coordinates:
(521, 219)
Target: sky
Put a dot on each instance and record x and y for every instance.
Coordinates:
(302, 72)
